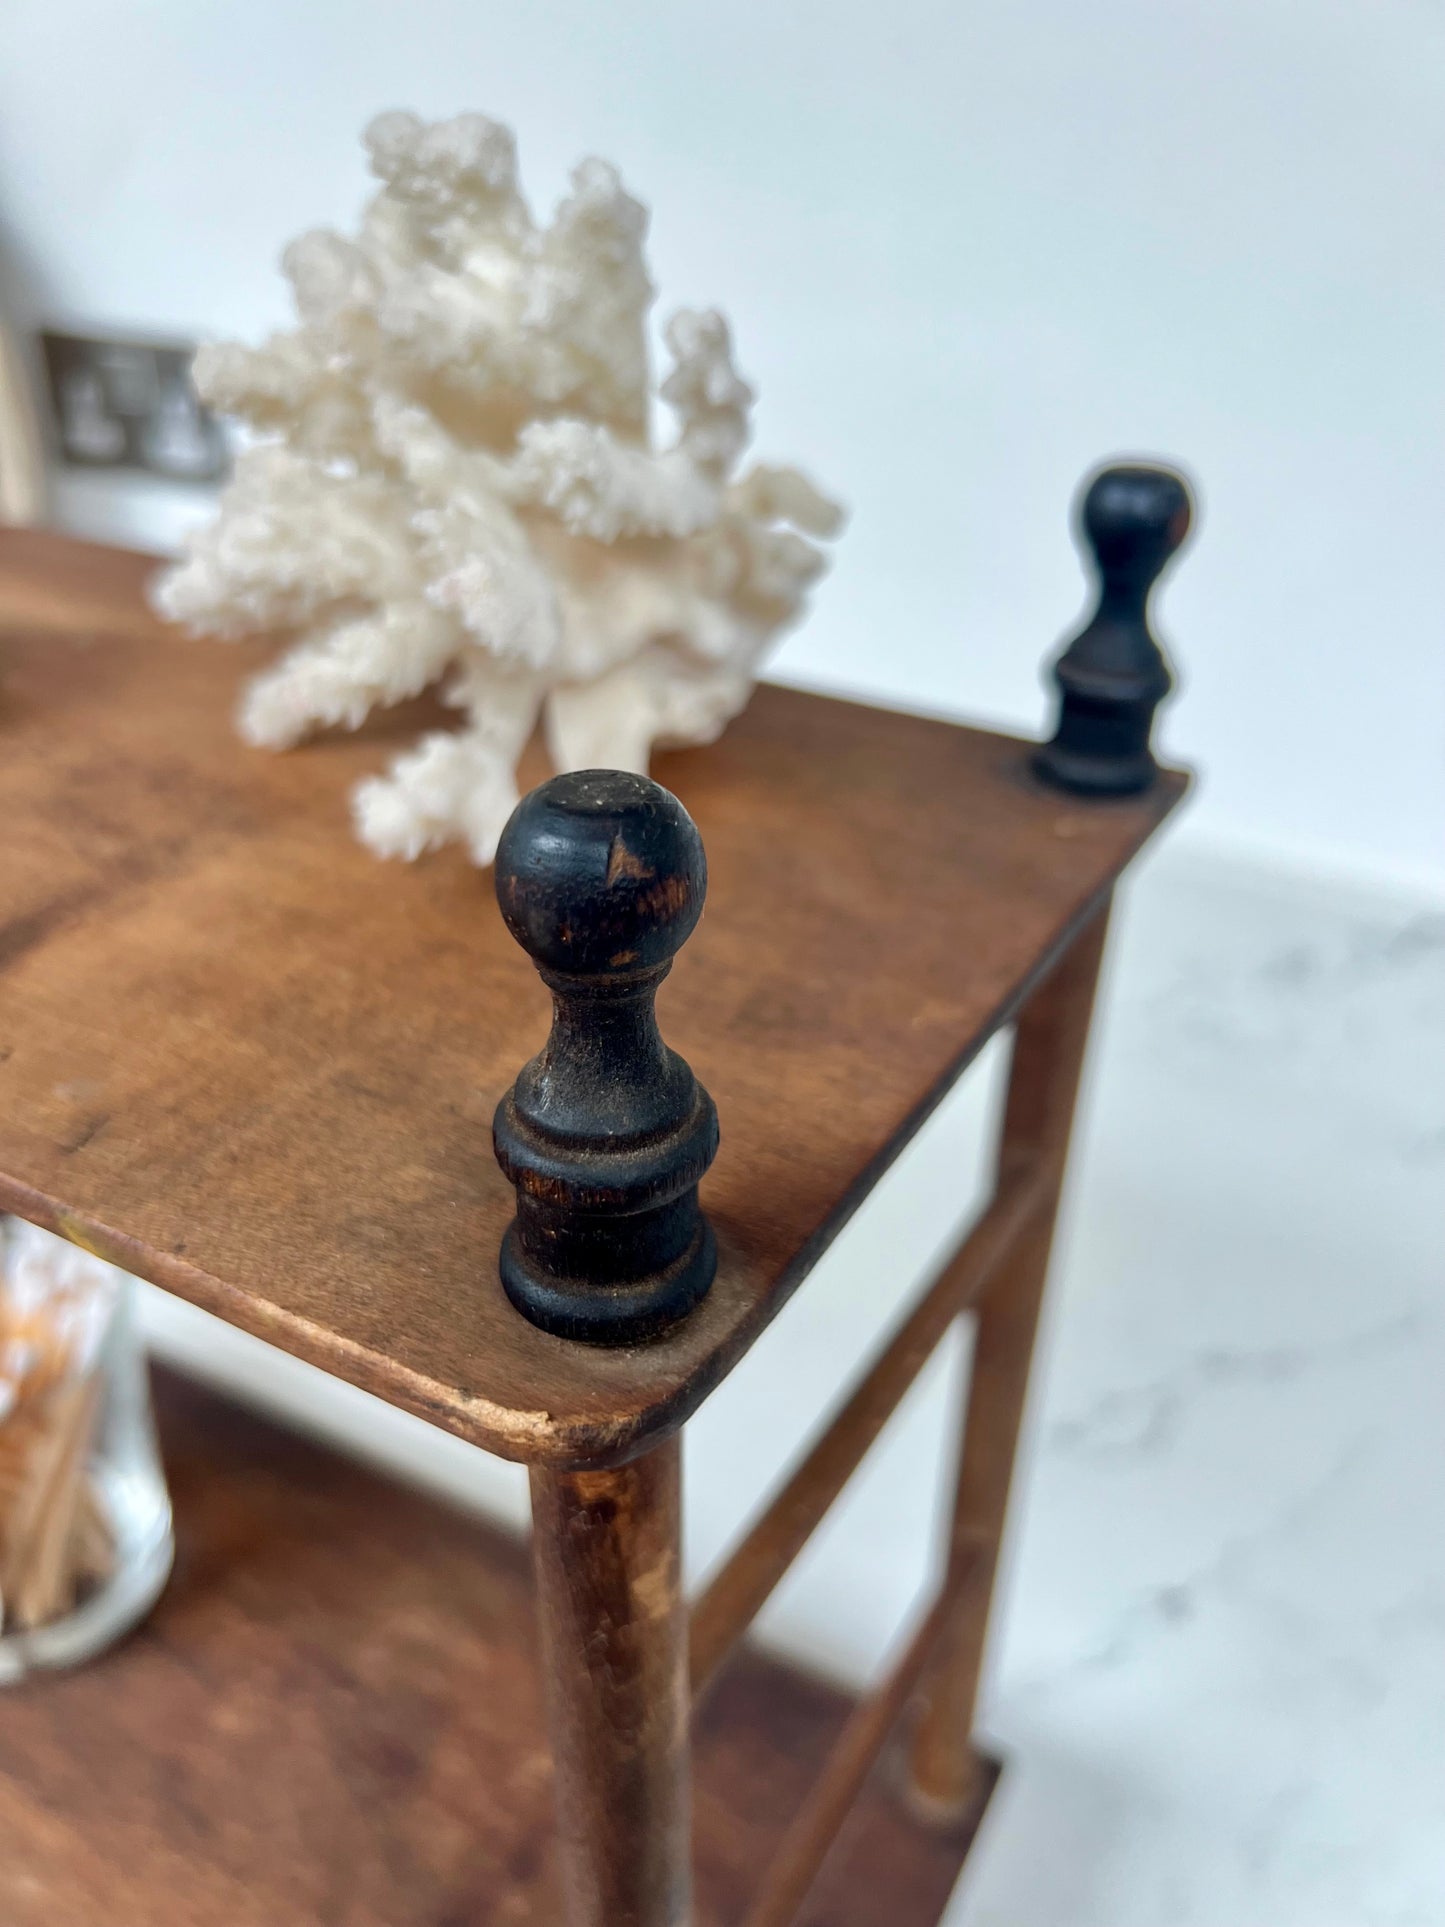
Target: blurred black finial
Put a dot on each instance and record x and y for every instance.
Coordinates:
(1113, 676)
(601, 878)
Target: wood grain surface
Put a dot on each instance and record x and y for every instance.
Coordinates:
(243, 1058)
(334, 1716)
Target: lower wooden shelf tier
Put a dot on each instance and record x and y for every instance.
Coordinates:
(334, 1716)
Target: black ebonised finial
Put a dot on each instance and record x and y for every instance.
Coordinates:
(1113, 675)
(601, 878)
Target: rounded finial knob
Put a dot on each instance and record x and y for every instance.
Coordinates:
(606, 1133)
(601, 873)
(1113, 676)
(1134, 518)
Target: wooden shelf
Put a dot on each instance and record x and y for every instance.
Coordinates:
(334, 1716)
(240, 1057)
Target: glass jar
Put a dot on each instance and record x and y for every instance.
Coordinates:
(85, 1518)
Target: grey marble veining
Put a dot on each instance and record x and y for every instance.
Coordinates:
(1221, 1674)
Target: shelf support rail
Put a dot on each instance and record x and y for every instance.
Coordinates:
(733, 1599)
(1000, 1268)
(815, 1826)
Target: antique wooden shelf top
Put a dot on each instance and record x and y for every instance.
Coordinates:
(247, 1061)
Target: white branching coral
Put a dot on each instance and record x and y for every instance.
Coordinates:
(452, 480)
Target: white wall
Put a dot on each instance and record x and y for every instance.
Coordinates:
(967, 251)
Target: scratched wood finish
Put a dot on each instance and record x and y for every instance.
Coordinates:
(335, 1716)
(255, 1065)
(608, 1552)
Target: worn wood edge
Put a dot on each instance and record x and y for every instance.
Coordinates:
(545, 1438)
(496, 1428)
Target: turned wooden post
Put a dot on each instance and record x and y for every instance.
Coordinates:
(601, 879)
(607, 1550)
(1113, 676)
(1048, 1055)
